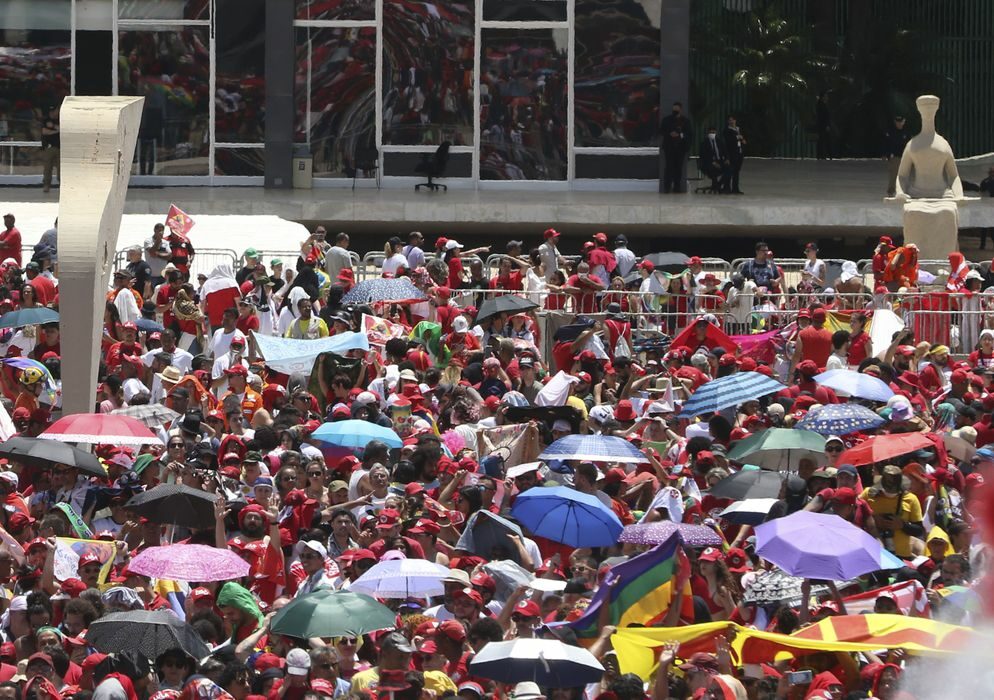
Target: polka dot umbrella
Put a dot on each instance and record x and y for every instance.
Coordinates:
(840, 419)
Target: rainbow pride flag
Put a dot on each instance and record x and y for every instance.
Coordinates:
(638, 591)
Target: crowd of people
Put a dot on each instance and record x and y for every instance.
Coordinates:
(475, 402)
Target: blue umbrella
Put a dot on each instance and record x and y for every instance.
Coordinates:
(594, 448)
(567, 516)
(355, 433)
(147, 325)
(28, 317)
(850, 383)
(729, 391)
(840, 419)
(384, 290)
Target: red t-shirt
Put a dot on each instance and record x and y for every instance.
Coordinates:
(455, 272)
(859, 348)
(217, 302)
(10, 245)
(816, 345)
(562, 353)
(44, 289)
(585, 300)
(247, 323)
(511, 282)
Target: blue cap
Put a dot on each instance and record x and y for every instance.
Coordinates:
(847, 469)
(985, 454)
(263, 481)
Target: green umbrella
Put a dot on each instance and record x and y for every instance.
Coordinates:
(327, 613)
(779, 449)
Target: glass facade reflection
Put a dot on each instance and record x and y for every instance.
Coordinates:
(428, 72)
(617, 72)
(523, 104)
(242, 162)
(377, 82)
(165, 9)
(524, 10)
(334, 93)
(240, 72)
(171, 69)
(336, 9)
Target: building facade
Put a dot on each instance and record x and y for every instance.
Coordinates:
(528, 92)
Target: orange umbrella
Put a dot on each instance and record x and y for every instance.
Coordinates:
(883, 447)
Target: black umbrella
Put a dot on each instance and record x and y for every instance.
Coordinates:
(175, 504)
(669, 262)
(748, 483)
(149, 632)
(504, 304)
(32, 452)
(484, 531)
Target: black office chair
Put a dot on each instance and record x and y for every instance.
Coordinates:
(713, 188)
(433, 165)
(367, 159)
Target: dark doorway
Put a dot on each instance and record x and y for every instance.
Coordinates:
(94, 64)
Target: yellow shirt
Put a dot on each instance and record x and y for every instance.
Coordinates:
(910, 511)
(577, 403)
(434, 680)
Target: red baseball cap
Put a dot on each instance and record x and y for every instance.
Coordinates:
(454, 629)
(238, 370)
(470, 593)
(711, 554)
(387, 519)
(527, 608)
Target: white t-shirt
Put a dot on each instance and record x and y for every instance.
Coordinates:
(156, 264)
(182, 360)
(222, 341)
(836, 362)
(393, 263)
(626, 261)
(132, 387)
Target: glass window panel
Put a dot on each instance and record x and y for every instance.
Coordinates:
(240, 97)
(524, 10)
(523, 98)
(336, 67)
(171, 69)
(617, 72)
(20, 160)
(428, 72)
(34, 66)
(165, 9)
(336, 9)
(239, 161)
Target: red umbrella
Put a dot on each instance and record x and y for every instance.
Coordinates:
(100, 428)
(884, 447)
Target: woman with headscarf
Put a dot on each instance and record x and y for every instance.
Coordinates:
(290, 312)
(219, 292)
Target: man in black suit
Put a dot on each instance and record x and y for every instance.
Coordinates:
(734, 143)
(713, 161)
(895, 139)
(677, 135)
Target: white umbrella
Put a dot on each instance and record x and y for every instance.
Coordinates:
(402, 578)
(547, 662)
(751, 511)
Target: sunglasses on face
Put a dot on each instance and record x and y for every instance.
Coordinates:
(833, 448)
(347, 641)
(310, 555)
(315, 475)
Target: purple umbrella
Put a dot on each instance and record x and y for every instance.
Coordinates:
(661, 530)
(820, 546)
(189, 562)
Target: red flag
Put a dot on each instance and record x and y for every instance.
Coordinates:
(178, 221)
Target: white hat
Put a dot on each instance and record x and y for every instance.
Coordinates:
(848, 271)
(546, 584)
(313, 545)
(364, 398)
(10, 477)
(460, 324)
(519, 469)
(600, 413)
(527, 690)
(452, 244)
(298, 662)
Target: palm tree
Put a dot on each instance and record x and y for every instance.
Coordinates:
(774, 65)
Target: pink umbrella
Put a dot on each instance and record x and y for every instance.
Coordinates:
(100, 428)
(189, 562)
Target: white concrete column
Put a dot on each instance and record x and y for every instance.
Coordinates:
(98, 136)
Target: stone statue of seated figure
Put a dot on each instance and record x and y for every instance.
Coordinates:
(928, 169)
